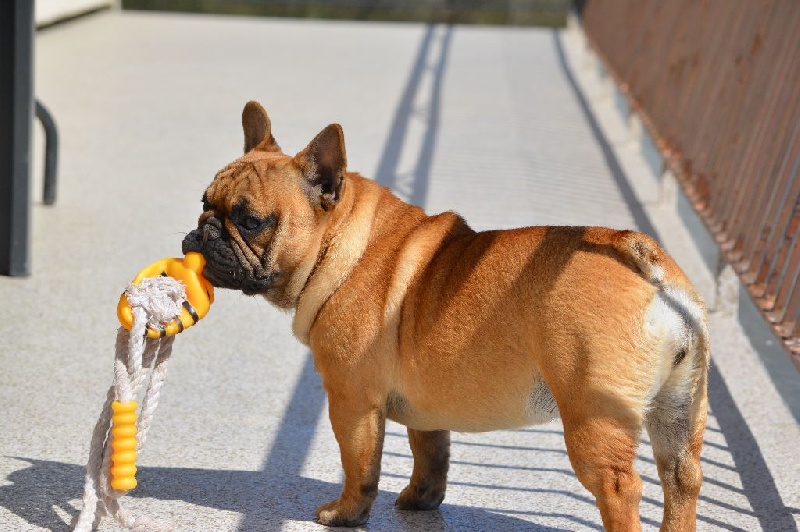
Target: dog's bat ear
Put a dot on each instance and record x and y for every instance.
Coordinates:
(257, 128)
(324, 164)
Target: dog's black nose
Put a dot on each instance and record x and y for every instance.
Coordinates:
(212, 229)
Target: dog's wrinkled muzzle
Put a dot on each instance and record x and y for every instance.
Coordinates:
(223, 269)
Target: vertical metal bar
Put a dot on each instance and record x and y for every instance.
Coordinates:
(16, 117)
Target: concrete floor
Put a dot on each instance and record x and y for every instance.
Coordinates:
(505, 126)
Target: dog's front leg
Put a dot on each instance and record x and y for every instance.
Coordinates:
(431, 450)
(359, 429)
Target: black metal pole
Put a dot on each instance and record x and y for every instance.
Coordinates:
(16, 117)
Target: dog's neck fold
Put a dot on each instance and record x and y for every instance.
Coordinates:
(341, 247)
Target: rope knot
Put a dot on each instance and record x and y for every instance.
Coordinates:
(159, 297)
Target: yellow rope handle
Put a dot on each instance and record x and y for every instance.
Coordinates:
(123, 445)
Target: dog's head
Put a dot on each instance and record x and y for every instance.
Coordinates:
(264, 213)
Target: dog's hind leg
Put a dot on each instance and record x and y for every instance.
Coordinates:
(676, 423)
(601, 444)
(676, 416)
(431, 450)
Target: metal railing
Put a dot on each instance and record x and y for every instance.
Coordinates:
(717, 85)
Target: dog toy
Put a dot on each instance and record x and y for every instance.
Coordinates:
(199, 294)
(164, 299)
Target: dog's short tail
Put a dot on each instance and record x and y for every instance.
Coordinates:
(676, 305)
(642, 252)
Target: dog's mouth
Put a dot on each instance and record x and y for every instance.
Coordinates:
(223, 268)
(237, 279)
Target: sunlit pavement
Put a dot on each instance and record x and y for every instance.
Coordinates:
(504, 125)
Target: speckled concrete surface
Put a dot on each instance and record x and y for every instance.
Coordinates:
(486, 121)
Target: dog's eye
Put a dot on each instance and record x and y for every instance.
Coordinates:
(251, 223)
(206, 204)
(251, 226)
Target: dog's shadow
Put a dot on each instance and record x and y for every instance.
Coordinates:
(43, 493)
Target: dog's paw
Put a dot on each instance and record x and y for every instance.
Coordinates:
(340, 513)
(420, 497)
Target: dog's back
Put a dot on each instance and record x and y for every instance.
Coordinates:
(504, 328)
(550, 299)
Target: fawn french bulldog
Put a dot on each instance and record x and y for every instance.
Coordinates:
(422, 320)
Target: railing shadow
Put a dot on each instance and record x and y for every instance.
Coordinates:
(268, 498)
(413, 186)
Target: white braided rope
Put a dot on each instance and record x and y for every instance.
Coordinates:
(154, 301)
(157, 376)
